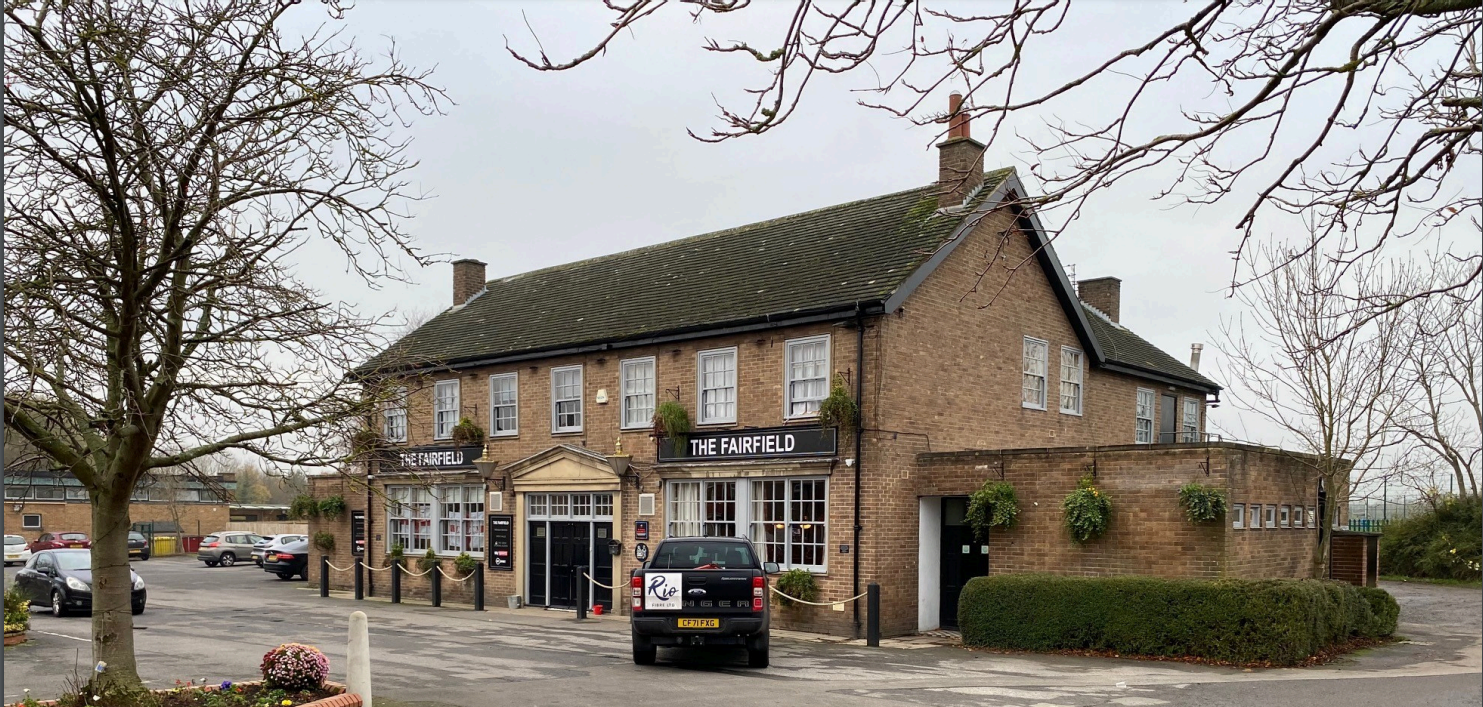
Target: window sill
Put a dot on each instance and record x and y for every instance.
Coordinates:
(1028, 406)
(566, 433)
(506, 435)
(1073, 413)
(715, 425)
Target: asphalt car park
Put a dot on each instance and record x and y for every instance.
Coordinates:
(214, 623)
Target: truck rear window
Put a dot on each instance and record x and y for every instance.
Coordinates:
(703, 554)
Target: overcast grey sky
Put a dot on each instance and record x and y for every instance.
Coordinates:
(534, 169)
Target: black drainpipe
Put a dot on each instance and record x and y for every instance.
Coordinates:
(370, 497)
(859, 428)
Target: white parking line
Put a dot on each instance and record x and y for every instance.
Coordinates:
(62, 635)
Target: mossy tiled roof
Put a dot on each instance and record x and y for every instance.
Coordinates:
(815, 261)
(1119, 345)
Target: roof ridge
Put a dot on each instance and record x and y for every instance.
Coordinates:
(1102, 314)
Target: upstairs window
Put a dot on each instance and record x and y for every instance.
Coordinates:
(394, 417)
(1189, 430)
(504, 405)
(445, 409)
(566, 399)
(637, 385)
(1034, 368)
(1143, 413)
(808, 376)
(717, 386)
(1071, 373)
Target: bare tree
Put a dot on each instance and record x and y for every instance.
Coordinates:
(164, 160)
(1361, 114)
(1333, 396)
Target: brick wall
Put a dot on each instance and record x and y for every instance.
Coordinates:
(197, 519)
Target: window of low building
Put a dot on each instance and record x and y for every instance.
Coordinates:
(786, 517)
(1271, 515)
(566, 399)
(1312, 516)
(717, 373)
(637, 386)
(807, 369)
(445, 408)
(1190, 422)
(1143, 417)
(394, 417)
(460, 519)
(1071, 380)
(1284, 516)
(1238, 515)
(409, 518)
(504, 405)
(31, 521)
(1297, 516)
(1034, 366)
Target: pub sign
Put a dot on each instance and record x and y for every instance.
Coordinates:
(751, 444)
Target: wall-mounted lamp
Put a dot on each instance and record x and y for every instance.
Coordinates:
(486, 466)
(620, 462)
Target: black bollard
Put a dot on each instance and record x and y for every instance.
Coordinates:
(873, 615)
(437, 576)
(581, 592)
(396, 582)
(360, 580)
(324, 575)
(479, 587)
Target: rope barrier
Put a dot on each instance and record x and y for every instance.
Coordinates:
(600, 584)
(817, 603)
(339, 569)
(375, 569)
(410, 573)
(456, 579)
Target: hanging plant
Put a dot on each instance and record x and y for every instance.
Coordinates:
(671, 420)
(839, 409)
(1087, 511)
(324, 541)
(332, 508)
(798, 583)
(303, 507)
(993, 505)
(466, 432)
(1201, 503)
(427, 561)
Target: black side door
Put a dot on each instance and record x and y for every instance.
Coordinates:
(536, 561)
(962, 558)
(570, 548)
(1168, 419)
(602, 565)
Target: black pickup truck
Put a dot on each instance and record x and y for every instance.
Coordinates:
(701, 592)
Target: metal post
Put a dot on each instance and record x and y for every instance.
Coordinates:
(873, 615)
(360, 579)
(437, 576)
(581, 592)
(479, 587)
(324, 575)
(1385, 500)
(396, 582)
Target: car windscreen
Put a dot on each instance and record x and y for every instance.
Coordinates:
(14, 540)
(73, 560)
(73, 536)
(703, 554)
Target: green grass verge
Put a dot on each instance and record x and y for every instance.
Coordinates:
(1466, 583)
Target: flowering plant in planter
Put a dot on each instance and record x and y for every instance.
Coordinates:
(295, 666)
(1087, 512)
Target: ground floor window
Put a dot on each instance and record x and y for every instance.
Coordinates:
(787, 518)
(447, 519)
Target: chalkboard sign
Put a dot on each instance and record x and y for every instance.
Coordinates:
(501, 542)
(358, 533)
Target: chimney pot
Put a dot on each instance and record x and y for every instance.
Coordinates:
(960, 158)
(468, 280)
(1194, 356)
(1104, 293)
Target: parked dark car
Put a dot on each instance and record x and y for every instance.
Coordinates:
(138, 546)
(260, 547)
(288, 560)
(701, 592)
(63, 580)
(61, 541)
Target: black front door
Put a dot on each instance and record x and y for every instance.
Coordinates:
(1168, 422)
(602, 561)
(570, 548)
(963, 558)
(536, 554)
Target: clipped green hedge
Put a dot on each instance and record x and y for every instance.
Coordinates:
(1276, 621)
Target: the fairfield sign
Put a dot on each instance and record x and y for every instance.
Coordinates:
(438, 458)
(751, 444)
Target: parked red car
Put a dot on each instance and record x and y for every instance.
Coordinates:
(61, 541)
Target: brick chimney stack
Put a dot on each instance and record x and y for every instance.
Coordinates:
(468, 279)
(960, 158)
(1104, 293)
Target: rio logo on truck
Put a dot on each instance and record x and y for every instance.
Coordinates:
(662, 590)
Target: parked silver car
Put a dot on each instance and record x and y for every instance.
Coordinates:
(261, 547)
(226, 547)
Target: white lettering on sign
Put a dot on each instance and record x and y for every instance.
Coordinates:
(436, 458)
(662, 591)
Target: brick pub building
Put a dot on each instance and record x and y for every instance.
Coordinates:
(963, 370)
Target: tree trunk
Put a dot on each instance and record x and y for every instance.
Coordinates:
(113, 620)
(1330, 506)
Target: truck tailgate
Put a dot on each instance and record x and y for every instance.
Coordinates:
(691, 591)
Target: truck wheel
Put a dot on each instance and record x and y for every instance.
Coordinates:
(757, 651)
(644, 651)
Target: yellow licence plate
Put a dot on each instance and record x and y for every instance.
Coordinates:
(700, 623)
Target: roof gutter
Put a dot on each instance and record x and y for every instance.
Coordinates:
(1160, 377)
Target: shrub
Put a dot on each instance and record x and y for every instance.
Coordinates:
(467, 432)
(332, 508)
(1272, 621)
(1087, 512)
(671, 420)
(465, 564)
(397, 553)
(798, 583)
(17, 610)
(428, 560)
(295, 666)
(324, 541)
(839, 409)
(1446, 543)
(1384, 612)
(303, 507)
(992, 506)
(1201, 503)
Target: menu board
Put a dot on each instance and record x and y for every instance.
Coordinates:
(500, 542)
(358, 533)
